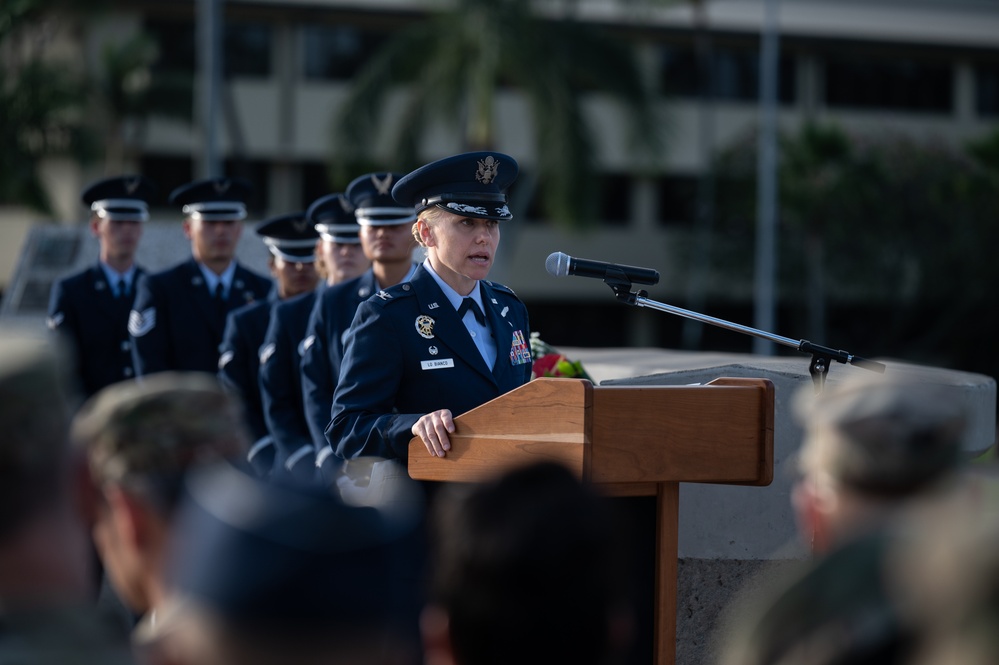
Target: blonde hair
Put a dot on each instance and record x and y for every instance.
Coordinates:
(427, 215)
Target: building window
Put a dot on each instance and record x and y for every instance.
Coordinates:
(987, 89)
(734, 74)
(316, 182)
(898, 84)
(615, 199)
(169, 173)
(338, 52)
(247, 50)
(677, 200)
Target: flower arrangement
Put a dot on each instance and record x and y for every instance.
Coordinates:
(550, 363)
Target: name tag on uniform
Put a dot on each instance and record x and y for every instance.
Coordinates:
(437, 364)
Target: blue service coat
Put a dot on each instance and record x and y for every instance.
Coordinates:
(239, 362)
(281, 385)
(175, 323)
(408, 354)
(323, 348)
(83, 307)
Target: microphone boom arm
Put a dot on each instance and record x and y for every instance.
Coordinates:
(818, 368)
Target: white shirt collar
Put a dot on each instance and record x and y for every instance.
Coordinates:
(211, 279)
(453, 296)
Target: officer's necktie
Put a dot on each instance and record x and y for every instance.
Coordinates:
(469, 304)
(220, 298)
(122, 288)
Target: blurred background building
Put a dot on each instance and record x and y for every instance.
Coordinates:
(881, 105)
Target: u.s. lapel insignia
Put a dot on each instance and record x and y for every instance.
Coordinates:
(505, 310)
(433, 350)
(99, 285)
(238, 284)
(425, 326)
(197, 280)
(433, 305)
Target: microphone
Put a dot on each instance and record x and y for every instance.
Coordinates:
(559, 265)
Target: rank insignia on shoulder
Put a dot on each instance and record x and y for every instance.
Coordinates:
(140, 323)
(384, 295)
(425, 326)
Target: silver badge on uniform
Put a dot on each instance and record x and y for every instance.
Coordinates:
(433, 350)
(425, 326)
(226, 358)
(266, 352)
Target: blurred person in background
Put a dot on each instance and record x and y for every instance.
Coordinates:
(179, 314)
(91, 307)
(291, 241)
(339, 255)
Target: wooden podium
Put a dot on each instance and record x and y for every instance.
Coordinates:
(627, 440)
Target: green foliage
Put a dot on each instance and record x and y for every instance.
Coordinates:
(450, 66)
(895, 230)
(42, 100)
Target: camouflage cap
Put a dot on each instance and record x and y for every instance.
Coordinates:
(36, 397)
(150, 432)
(881, 435)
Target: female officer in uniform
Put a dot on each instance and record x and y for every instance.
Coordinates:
(421, 352)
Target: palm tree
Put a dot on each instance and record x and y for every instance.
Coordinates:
(454, 62)
(41, 100)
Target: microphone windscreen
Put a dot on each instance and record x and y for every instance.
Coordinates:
(557, 264)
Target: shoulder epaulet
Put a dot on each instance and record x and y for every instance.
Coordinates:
(396, 292)
(501, 287)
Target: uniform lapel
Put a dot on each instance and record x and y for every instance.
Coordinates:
(503, 328)
(447, 326)
(103, 293)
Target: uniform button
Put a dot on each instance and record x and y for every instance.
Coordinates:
(405, 287)
(128, 371)
(126, 346)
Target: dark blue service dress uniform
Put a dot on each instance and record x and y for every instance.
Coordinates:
(281, 385)
(176, 324)
(84, 308)
(322, 351)
(408, 353)
(239, 362)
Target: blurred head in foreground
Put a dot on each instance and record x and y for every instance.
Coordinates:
(527, 570)
(264, 573)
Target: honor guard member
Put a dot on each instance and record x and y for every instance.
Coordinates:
(387, 240)
(339, 255)
(291, 240)
(447, 340)
(179, 314)
(91, 307)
